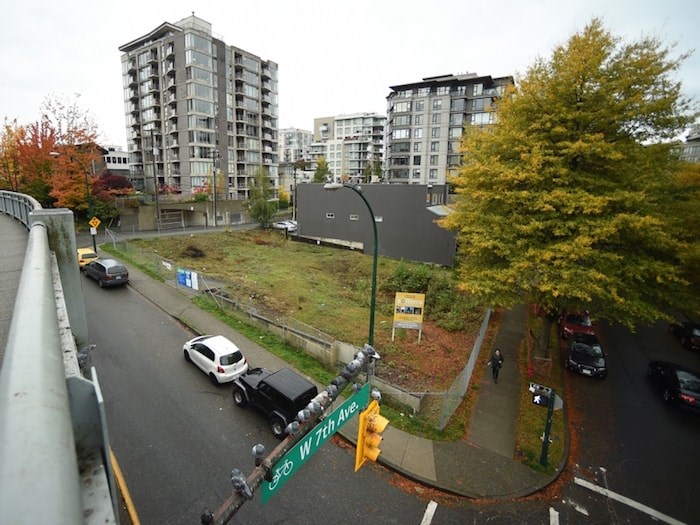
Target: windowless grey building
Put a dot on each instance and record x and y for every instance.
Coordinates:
(196, 106)
(426, 120)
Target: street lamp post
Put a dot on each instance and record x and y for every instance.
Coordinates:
(294, 195)
(332, 186)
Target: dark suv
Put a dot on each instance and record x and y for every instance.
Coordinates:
(585, 355)
(279, 395)
(107, 272)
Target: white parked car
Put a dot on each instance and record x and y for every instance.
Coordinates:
(217, 357)
(289, 225)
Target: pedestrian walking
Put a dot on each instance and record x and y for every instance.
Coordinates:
(496, 364)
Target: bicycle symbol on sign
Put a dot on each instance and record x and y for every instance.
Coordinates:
(280, 472)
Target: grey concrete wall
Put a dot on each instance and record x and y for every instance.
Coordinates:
(406, 227)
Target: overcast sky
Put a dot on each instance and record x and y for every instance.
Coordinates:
(334, 57)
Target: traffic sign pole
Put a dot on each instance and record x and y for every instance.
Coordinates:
(547, 430)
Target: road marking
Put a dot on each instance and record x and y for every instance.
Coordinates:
(429, 513)
(553, 517)
(627, 501)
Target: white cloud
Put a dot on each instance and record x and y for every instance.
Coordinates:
(334, 57)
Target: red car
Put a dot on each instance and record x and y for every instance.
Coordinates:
(575, 323)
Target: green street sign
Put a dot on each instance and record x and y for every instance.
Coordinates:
(309, 445)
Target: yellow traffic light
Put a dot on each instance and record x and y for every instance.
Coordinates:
(369, 437)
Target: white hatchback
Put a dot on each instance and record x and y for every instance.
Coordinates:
(217, 357)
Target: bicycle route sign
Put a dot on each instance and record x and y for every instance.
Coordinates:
(309, 445)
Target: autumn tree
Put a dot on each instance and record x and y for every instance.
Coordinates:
(260, 205)
(322, 170)
(9, 155)
(559, 204)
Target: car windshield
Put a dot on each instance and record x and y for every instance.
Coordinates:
(114, 270)
(592, 350)
(231, 359)
(689, 381)
(583, 320)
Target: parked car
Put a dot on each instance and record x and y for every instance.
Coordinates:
(289, 225)
(279, 395)
(585, 355)
(575, 323)
(85, 255)
(676, 383)
(216, 356)
(107, 272)
(688, 333)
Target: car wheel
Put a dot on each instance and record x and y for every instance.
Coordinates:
(277, 426)
(666, 395)
(239, 397)
(213, 379)
(99, 281)
(187, 356)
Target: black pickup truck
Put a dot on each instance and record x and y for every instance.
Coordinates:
(279, 395)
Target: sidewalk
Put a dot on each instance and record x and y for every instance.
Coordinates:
(481, 468)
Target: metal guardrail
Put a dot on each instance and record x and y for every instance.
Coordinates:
(54, 454)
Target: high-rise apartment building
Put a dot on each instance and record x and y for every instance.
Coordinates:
(196, 106)
(294, 144)
(426, 120)
(349, 143)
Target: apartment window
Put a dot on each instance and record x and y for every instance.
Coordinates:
(195, 57)
(443, 90)
(432, 174)
(418, 133)
(481, 118)
(455, 133)
(453, 160)
(423, 92)
(416, 174)
(479, 104)
(435, 132)
(456, 119)
(420, 105)
(197, 42)
(478, 89)
(417, 146)
(436, 118)
(437, 104)
(402, 120)
(434, 146)
(401, 134)
(418, 120)
(452, 146)
(402, 147)
(416, 160)
(402, 107)
(433, 160)
(458, 104)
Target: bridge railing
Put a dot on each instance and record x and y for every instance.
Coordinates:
(54, 450)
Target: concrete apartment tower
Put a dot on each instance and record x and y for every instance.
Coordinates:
(349, 143)
(195, 106)
(426, 120)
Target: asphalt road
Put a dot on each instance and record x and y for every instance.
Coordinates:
(177, 437)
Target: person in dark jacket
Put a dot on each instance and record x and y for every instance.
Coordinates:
(496, 364)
